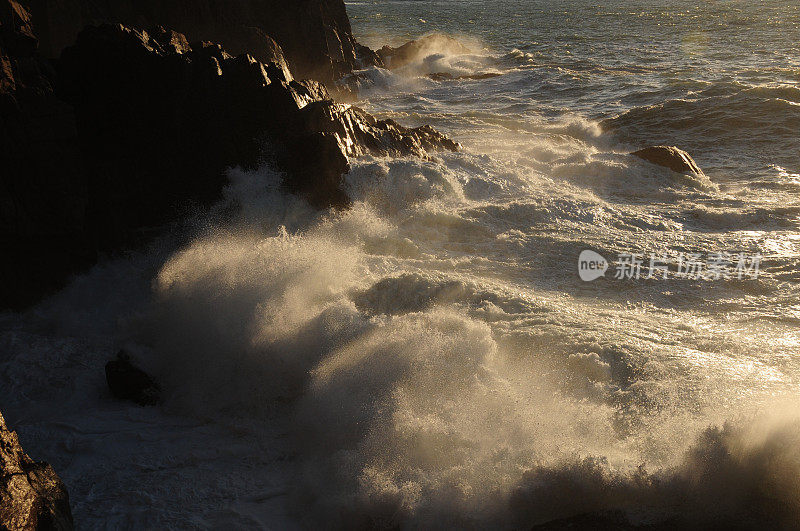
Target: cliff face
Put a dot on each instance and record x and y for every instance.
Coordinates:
(314, 34)
(42, 189)
(130, 127)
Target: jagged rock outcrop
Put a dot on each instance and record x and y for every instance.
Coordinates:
(315, 34)
(417, 50)
(31, 494)
(134, 126)
(670, 157)
(163, 113)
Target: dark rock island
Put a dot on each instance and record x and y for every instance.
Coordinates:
(670, 157)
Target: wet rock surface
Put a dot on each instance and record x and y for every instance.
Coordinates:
(669, 157)
(31, 494)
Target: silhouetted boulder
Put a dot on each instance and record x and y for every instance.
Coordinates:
(670, 157)
(31, 494)
(128, 382)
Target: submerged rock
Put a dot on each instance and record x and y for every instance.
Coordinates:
(31, 494)
(128, 382)
(670, 157)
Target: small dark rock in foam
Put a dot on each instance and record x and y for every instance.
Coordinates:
(670, 157)
(32, 495)
(128, 382)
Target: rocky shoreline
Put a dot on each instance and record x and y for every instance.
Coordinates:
(130, 126)
(117, 118)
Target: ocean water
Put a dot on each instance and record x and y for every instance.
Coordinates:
(430, 358)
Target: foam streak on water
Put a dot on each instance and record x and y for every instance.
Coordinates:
(430, 357)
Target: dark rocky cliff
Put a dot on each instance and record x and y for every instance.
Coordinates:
(314, 34)
(130, 127)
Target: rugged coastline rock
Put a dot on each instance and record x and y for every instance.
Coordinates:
(153, 107)
(315, 34)
(670, 157)
(130, 128)
(31, 494)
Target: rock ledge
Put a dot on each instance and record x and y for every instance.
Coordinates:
(31, 494)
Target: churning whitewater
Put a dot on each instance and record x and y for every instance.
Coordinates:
(430, 357)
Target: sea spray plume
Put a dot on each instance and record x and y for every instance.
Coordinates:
(241, 318)
(402, 414)
(241, 314)
(233, 317)
(417, 50)
(741, 476)
(422, 421)
(238, 319)
(440, 56)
